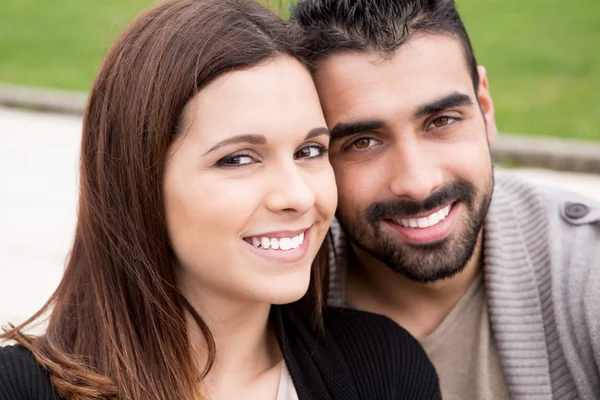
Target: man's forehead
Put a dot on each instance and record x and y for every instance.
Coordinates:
(423, 68)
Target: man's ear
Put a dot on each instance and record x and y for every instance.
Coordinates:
(487, 105)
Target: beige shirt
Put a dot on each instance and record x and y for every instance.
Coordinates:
(464, 352)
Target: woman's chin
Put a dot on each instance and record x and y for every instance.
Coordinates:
(286, 293)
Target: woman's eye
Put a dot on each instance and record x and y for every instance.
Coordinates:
(441, 122)
(312, 151)
(236, 160)
(363, 143)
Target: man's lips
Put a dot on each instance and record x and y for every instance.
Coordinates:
(424, 219)
(427, 228)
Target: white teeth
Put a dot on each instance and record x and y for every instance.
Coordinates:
(433, 219)
(295, 242)
(285, 243)
(441, 215)
(424, 222)
(265, 243)
(278, 243)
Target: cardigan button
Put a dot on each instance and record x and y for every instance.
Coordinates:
(576, 210)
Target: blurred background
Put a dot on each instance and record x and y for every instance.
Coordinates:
(542, 58)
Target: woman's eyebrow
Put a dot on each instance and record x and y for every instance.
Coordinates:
(317, 132)
(251, 138)
(257, 139)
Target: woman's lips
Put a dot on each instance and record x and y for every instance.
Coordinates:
(283, 248)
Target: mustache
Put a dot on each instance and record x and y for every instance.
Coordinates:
(449, 193)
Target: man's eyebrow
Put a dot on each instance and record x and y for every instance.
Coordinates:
(455, 99)
(251, 138)
(343, 129)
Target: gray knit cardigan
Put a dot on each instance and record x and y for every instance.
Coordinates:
(542, 277)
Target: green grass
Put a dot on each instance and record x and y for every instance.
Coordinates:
(543, 60)
(59, 43)
(542, 56)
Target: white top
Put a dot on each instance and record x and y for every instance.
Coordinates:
(286, 391)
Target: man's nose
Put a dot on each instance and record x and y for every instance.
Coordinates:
(414, 172)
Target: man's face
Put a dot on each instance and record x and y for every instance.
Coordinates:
(410, 150)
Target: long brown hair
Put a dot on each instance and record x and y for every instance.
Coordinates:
(117, 325)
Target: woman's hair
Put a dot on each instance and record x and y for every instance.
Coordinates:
(117, 321)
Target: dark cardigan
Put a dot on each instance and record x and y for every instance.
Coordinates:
(358, 355)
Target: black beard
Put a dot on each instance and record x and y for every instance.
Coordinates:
(430, 262)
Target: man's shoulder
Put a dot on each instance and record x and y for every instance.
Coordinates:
(561, 210)
(555, 226)
(21, 377)
(542, 252)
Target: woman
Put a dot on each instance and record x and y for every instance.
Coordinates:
(205, 195)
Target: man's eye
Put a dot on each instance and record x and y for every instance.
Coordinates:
(311, 151)
(363, 143)
(236, 160)
(441, 122)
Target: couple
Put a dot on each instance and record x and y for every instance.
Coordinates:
(206, 250)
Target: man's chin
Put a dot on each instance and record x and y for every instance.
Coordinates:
(423, 262)
(427, 276)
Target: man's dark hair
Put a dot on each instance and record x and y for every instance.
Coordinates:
(335, 26)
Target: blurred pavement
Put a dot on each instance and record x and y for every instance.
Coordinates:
(38, 194)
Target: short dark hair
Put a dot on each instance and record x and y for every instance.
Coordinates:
(335, 26)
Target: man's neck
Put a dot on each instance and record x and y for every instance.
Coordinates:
(419, 308)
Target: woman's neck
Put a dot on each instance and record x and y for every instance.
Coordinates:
(246, 347)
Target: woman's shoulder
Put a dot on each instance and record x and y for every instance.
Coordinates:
(377, 333)
(381, 352)
(21, 377)
(364, 325)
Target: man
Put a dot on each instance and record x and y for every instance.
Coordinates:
(498, 279)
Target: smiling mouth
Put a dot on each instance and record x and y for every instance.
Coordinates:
(278, 243)
(424, 221)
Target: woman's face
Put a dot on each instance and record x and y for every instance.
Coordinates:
(249, 191)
